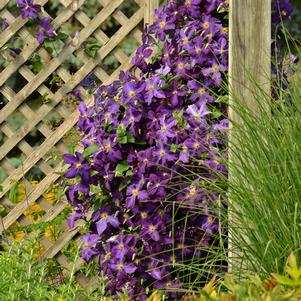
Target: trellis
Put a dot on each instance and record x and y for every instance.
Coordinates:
(52, 138)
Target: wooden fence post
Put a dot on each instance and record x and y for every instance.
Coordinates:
(149, 10)
(249, 63)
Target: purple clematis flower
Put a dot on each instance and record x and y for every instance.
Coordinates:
(122, 268)
(77, 215)
(176, 94)
(166, 130)
(136, 192)
(163, 26)
(133, 91)
(215, 72)
(198, 112)
(44, 30)
(151, 230)
(79, 166)
(199, 92)
(89, 249)
(3, 23)
(154, 89)
(104, 220)
(163, 154)
(28, 8)
(141, 55)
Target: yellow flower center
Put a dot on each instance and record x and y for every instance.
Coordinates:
(210, 219)
(120, 267)
(208, 136)
(201, 91)
(181, 66)
(184, 149)
(164, 128)
(206, 25)
(185, 41)
(162, 24)
(132, 94)
(151, 88)
(121, 246)
(224, 30)
(135, 192)
(196, 145)
(108, 147)
(152, 228)
(192, 191)
(215, 68)
(78, 166)
(104, 215)
(162, 153)
(143, 215)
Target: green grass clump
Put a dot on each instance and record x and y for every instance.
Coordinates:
(24, 277)
(265, 185)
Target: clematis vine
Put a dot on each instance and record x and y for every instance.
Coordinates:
(28, 8)
(44, 30)
(146, 139)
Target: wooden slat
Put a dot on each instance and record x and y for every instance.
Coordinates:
(150, 6)
(249, 64)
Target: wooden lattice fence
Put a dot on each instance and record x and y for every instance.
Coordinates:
(54, 115)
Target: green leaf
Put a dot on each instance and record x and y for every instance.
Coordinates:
(121, 168)
(292, 268)
(62, 36)
(123, 140)
(36, 63)
(121, 131)
(284, 280)
(90, 150)
(216, 113)
(91, 48)
(174, 148)
(55, 79)
(130, 138)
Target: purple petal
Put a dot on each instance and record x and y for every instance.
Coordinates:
(101, 226)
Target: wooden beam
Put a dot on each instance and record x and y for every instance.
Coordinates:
(249, 67)
(250, 49)
(149, 10)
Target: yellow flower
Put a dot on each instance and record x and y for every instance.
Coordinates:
(17, 235)
(33, 213)
(40, 251)
(50, 197)
(50, 233)
(60, 299)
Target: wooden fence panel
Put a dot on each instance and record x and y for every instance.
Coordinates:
(16, 103)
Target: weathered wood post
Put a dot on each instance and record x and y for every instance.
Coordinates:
(149, 11)
(249, 62)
